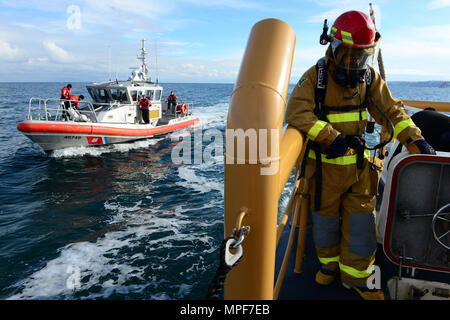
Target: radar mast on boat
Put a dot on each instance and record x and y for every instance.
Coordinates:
(140, 74)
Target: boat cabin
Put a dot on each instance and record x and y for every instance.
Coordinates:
(125, 92)
(117, 101)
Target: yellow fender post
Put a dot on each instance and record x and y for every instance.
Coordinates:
(254, 179)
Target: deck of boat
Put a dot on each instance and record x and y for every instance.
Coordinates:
(165, 118)
(303, 286)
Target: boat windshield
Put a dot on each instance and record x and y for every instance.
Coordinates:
(149, 94)
(134, 95)
(99, 95)
(119, 95)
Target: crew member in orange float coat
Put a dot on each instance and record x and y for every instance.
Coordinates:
(65, 94)
(171, 100)
(76, 98)
(144, 104)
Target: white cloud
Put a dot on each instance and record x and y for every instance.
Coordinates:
(438, 4)
(233, 4)
(330, 15)
(341, 3)
(423, 57)
(57, 54)
(305, 58)
(223, 68)
(37, 61)
(174, 43)
(143, 8)
(339, 7)
(144, 14)
(439, 34)
(9, 53)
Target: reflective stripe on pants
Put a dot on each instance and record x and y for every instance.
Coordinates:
(344, 227)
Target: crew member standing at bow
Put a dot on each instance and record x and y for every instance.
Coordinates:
(329, 105)
(144, 104)
(65, 94)
(172, 101)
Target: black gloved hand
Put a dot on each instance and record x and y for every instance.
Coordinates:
(337, 148)
(355, 142)
(420, 147)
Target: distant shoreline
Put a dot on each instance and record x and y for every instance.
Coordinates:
(435, 84)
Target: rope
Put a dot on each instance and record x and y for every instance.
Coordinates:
(216, 285)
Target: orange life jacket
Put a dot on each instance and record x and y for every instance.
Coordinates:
(75, 98)
(145, 103)
(65, 93)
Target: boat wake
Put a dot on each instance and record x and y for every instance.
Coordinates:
(156, 233)
(74, 152)
(145, 258)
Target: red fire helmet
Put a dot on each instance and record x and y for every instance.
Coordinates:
(354, 29)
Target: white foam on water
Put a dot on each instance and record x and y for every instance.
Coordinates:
(88, 258)
(213, 116)
(120, 212)
(192, 179)
(105, 264)
(134, 250)
(99, 150)
(210, 117)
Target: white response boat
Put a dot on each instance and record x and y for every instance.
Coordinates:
(114, 115)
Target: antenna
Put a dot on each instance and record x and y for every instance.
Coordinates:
(143, 59)
(156, 57)
(115, 71)
(109, 61)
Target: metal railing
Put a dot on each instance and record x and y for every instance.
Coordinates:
(189, 109)
(178, 113)
(53, 109)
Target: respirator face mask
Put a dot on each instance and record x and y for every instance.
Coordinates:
(351, 63)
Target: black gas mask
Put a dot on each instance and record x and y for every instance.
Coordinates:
(348, 78)
(351, 63)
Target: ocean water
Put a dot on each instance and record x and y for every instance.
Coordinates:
(123, 219)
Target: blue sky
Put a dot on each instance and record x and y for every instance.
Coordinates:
(202, 40)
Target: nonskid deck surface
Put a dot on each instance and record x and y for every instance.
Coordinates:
(303, 286)
(165, 118)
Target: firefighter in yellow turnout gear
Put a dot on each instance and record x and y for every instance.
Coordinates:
(343, 183)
